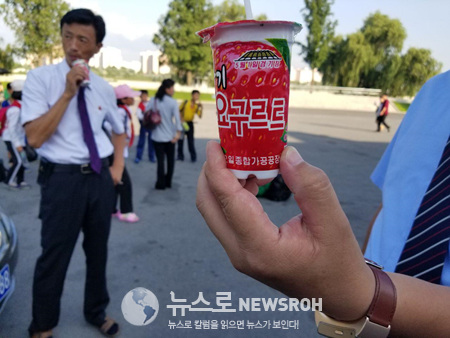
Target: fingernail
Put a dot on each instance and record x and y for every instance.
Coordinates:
(293, 157)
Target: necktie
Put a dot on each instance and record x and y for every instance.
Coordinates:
(96, 163)
(427, 245)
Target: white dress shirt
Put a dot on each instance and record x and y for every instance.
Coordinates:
(43, 88)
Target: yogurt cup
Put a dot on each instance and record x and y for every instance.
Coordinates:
(251, 74)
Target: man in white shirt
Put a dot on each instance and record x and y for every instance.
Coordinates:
(77, 184)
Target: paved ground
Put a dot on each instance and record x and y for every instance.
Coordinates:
(171, 249)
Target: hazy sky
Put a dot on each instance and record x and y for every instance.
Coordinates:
(131, 24)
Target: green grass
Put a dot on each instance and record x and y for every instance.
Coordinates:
(403, 107)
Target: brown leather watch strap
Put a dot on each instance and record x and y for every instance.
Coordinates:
(384, 301)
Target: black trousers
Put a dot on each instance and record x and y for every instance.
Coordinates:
(72, 202)
(381, 120)
(190, 137)
(124, 192)
(16, 171)
(164, 150)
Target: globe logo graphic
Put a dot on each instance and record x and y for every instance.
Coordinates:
(140, 307)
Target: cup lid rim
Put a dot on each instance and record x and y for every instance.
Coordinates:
(207, 33)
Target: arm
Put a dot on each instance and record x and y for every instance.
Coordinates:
(119, 141)
(385, 107)
(140, 111)
(13, 116)
(176, 137)
(176, 115)
(41, 129)
(200, 110)
(315, 254)
(369, 229)
(181, 109)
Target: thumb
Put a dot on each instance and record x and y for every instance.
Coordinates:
(313, 193)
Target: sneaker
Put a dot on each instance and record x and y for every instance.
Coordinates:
(137, 160)
(116, 214)
(12, 185)
(24, 185)
(129, 217)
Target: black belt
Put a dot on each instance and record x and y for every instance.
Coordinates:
(84, 169)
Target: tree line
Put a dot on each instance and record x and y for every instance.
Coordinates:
(371, 57)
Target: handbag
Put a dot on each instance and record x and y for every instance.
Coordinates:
(152, 117)
(31, 153)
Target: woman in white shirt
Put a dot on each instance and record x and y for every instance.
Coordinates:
(166, 134)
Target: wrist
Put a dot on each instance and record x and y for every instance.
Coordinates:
(352, 302)
(66, 96)
(376, 322)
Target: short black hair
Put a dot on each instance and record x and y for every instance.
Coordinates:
(85, 16)
(8, 86)
(144, 91)
(195, 91)
(16, 95)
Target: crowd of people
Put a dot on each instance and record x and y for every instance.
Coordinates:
(177, 123)
(82, 129)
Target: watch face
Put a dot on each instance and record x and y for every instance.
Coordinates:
(374, 264)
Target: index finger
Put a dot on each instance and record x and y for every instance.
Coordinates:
(241, 208)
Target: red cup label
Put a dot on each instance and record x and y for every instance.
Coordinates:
(252, 97)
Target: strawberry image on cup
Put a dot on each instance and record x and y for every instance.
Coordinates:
(251, 70)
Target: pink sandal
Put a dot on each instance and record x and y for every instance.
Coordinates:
(129, 217)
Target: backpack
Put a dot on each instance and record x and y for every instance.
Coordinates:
(152, 117)
(3, 119)
(3, 112)
(276, 190)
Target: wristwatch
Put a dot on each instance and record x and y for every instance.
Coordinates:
(376, 323)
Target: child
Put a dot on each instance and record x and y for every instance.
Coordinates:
(144, 134)
(188, 110)
(14, 138)
(382, 112)
(125, 98)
